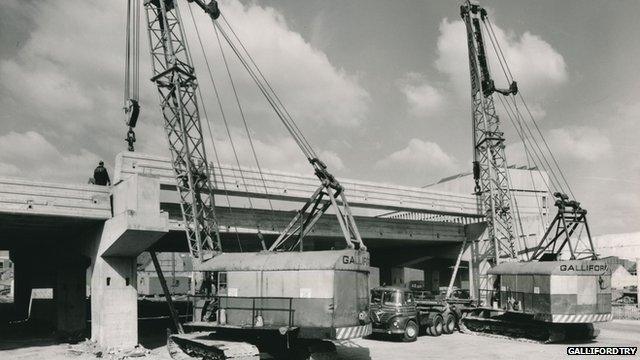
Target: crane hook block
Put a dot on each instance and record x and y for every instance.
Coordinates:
(130, 139)
(213, 10)
(134, 111)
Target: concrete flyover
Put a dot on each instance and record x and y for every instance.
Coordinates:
(58, 232)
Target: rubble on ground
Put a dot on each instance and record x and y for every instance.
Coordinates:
(88, 347)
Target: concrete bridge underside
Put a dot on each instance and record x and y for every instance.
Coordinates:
(59, 233)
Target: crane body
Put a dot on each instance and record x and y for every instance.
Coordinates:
(294, 298)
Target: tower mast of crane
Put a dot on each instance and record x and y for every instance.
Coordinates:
(489, 162)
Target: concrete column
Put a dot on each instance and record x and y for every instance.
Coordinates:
(23, 284)
(114, 302)
(69, 294)
(136, 225)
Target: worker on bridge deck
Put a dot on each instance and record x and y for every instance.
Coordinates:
(100, 175)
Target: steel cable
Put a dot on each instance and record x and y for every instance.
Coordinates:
(492, 32)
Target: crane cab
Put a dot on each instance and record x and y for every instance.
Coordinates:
(574, 291)
(317, 294)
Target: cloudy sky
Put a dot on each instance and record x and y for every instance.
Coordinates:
(379, 87)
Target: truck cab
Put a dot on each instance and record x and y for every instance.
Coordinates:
(394, 312)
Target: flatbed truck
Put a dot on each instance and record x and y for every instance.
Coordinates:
(405, 313)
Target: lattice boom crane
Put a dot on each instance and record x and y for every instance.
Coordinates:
(489, 162)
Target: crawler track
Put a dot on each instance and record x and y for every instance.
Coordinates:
(201, 346)
(523, 328)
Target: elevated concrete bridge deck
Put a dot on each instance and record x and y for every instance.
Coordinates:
(277, 185)
(33, 206)
(58, 232)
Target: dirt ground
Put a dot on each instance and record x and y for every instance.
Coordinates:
(456, 346)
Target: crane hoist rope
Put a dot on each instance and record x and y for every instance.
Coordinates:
(330, 193)
(176, 80)
(131, 102)
(570, 216)
(213, 143)
(228, 130)
(555, 171)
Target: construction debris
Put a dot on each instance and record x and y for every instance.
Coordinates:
(88, 347)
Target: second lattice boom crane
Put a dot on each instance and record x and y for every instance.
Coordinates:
(543, 295)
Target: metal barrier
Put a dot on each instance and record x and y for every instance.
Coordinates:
(255, 311)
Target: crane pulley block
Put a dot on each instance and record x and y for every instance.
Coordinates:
(133, 112)
(211, 8)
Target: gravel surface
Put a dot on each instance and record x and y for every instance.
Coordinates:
(456, 346)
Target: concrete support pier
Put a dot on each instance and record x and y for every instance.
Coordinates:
(136, 225)
(69, 294)
(22, 286)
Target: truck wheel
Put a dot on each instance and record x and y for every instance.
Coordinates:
(449, 324)
(410, 331)
(436, 327)
(427, 330)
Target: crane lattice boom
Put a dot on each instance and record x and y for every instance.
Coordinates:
(490, 165)
(175, 78)
(489, 162)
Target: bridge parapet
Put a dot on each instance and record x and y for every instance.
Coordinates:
(243, 181)
(27, 197)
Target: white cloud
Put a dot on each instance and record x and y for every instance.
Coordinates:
(579, 143)
(67, 81)
(568, 144)
(423, 98)
(332, 160)
(425, 159)
(535, 64)
(313, 89)
(275, 153)
(30, 154)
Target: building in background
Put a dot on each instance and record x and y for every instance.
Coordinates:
(177, 269)
(624, 246)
